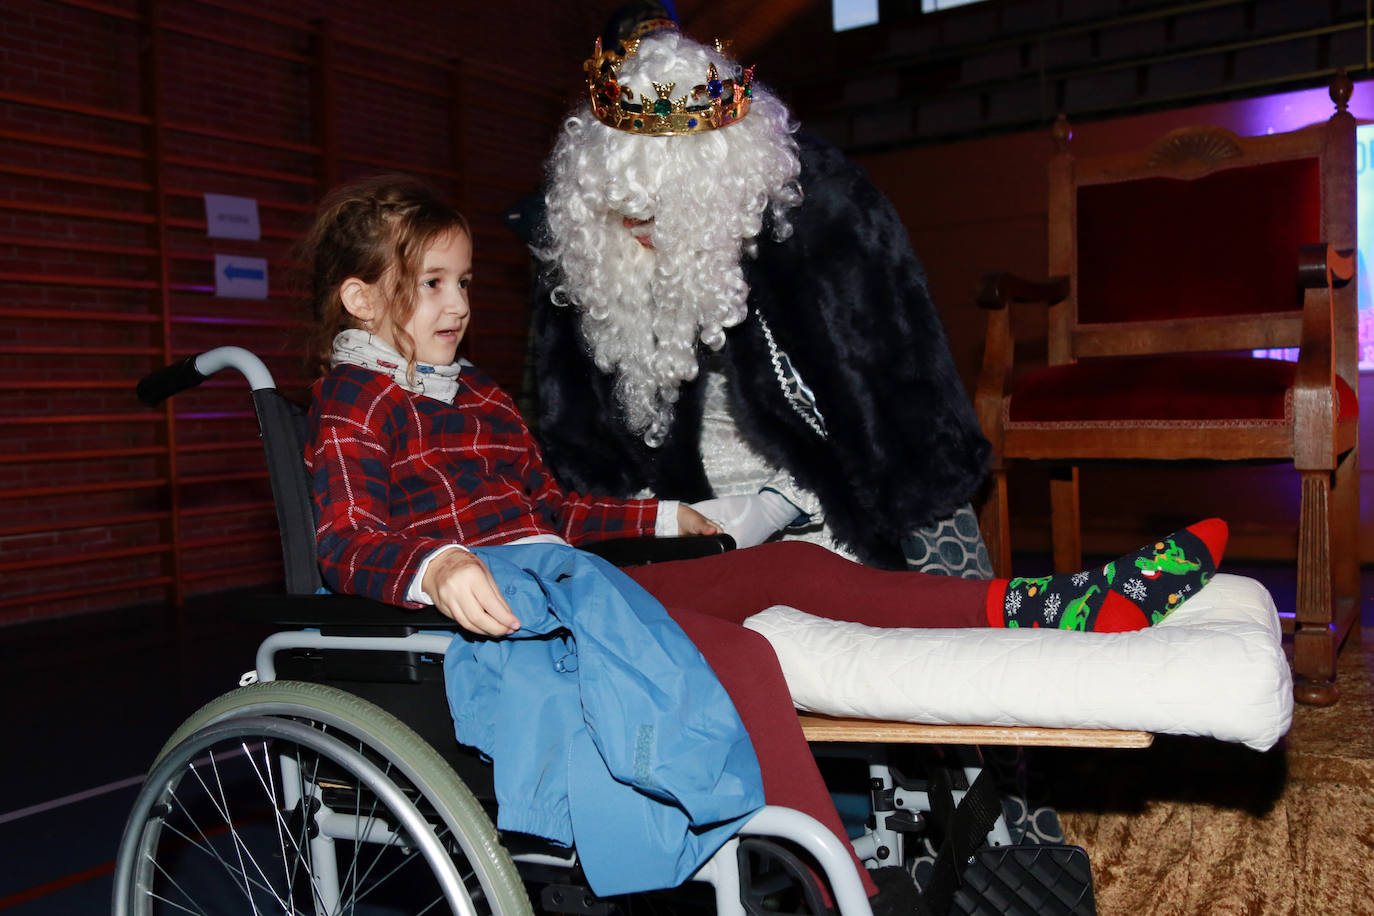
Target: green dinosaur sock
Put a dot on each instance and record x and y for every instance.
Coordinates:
(1132, 592)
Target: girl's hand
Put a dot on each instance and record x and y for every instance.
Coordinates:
(690, 521)
(463, 589)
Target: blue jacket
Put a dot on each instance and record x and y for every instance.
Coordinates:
(606, 726)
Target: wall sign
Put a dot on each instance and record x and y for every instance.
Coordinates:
(239, 277)
(228, 217)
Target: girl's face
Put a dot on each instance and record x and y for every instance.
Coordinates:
(441, 306)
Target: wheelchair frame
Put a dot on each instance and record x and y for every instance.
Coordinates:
(432, 816)
(386, 765)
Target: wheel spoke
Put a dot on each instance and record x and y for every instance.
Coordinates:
(241, 876)
(397, 841)
(410, 857)
(173, 903)
(267, 810)
(305, 853)
(205, 845)
(233, 830)
(173, 882)
(267, 779)
(241, 847)
(247, 883)
(264, 773)
(431, 905)
(381, 846)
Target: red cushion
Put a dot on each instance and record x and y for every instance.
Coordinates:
(1177, 387)
(1223, 244)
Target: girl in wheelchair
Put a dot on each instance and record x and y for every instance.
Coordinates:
(418, 459)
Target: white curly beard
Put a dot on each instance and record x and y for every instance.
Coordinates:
(646, 327)
(644, 311)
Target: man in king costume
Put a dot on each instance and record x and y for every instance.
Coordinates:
(727, 310)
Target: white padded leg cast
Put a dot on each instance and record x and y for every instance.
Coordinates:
(1215, 668)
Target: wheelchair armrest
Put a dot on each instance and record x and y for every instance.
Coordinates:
(642, 551)
(338, 613)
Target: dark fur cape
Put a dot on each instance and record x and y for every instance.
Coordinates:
(846, 300)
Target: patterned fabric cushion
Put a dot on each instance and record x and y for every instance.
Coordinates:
(951, 547)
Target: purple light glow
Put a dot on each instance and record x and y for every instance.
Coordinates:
(1278, 113)
(1290, 111)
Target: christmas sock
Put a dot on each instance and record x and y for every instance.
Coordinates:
(1132, 592)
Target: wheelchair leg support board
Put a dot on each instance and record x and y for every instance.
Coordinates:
(871, 731)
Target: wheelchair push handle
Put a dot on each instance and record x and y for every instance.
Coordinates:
(160, 384)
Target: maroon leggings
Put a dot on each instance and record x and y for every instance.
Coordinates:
(709, 598)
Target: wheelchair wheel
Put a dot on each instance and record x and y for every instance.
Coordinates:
(775, 882)
(290, 797)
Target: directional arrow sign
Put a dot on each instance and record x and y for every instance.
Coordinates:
(239, 277)
(234, 272)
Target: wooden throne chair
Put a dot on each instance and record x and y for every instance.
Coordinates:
(1167, 267)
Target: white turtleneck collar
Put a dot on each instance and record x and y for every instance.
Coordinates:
(356, 347)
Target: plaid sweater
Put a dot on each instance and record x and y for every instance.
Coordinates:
(396, 475)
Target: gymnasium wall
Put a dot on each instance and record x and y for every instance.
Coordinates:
(115, 119)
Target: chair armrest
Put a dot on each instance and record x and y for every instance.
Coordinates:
(998, 290)
(995, 292)
(1320, 265)
(1321, 269)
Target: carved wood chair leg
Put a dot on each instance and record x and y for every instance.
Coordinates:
(1064, 520)
(1345, 532)
(996, 524)
(1314, 641)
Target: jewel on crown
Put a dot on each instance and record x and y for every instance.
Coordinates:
(714, 103)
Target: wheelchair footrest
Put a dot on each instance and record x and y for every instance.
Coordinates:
(1029, 880)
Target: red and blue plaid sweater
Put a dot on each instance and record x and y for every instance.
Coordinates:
(396, 475)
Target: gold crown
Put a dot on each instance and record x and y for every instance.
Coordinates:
(712, 104)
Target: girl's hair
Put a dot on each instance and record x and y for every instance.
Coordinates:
(377, 230)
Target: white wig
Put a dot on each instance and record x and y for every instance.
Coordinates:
(643, 311)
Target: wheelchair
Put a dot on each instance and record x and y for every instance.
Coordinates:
(330, 781)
